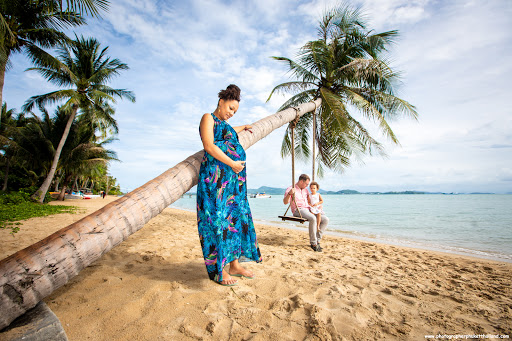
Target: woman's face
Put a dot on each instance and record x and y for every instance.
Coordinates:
(227, 108)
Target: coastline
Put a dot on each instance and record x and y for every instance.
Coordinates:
(154, 286)
(379, 240)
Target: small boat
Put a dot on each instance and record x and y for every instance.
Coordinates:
(91, 196)
(262, 195)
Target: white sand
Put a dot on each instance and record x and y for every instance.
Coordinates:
(154, 286)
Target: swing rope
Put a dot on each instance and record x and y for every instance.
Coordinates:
(314, 141)
(292, 126)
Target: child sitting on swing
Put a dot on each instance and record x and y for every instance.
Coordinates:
(316, 201)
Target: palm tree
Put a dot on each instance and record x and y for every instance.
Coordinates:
(61, 256)
(83, 152)
(346, 69)
(39, 139)
(84, 69)
(30, 25)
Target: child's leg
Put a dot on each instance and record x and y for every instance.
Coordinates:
(318, 220)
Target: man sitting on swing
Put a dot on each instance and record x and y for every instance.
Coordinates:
(300, 207)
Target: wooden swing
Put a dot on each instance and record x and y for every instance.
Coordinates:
(284, 217)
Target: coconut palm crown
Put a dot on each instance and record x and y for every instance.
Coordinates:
(28, 26)
(346, 69)
(83, 68)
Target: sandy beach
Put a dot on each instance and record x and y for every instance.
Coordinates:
(154, 286)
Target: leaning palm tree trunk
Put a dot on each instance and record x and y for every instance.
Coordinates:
(30, 275)
(41, 192)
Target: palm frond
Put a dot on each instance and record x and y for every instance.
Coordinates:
(91, 7)
(298, 99)
(390, 106)
(286, 145)
(298, 70)
(334, 111)
(291, 87)
(61, 20)
(377, 43)
(108, 92)
(107, 71)
(316, 56)
(370, 73)
(49, 98)
(51, 68)
(370, 111)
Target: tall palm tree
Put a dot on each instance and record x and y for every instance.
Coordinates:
(345, 67)
(30, 25)
(61, 256)
(84, 68)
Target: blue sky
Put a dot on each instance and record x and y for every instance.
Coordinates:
(455, 57)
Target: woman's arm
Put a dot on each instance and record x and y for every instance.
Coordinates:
(240, 128)
(206, 127)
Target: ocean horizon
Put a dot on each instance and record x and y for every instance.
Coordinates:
(476, 225)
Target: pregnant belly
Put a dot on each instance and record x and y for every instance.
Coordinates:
(234, 151)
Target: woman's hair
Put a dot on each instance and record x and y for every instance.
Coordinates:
(232, 92)
(314, 183)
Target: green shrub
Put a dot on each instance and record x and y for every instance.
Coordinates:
(14, 198)
(16, 206)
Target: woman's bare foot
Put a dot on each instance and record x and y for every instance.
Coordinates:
(235, 269)
(227, 279)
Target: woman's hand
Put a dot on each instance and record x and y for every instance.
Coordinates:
(242, 128)
(238, 166)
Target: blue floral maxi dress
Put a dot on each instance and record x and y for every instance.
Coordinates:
(226, 229)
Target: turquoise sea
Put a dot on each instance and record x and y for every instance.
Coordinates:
(473, 224)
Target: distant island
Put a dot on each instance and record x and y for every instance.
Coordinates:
(280, 191)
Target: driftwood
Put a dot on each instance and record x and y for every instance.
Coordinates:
(33, 273)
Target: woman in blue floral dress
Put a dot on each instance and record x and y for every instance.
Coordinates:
(224, 219)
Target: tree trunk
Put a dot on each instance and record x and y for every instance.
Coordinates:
(2, 80)
(41, 192)
(31, 274)
(57, 182)
(85, 183)
(314, 143)
(6, 176)
(107, 188)
(75, 185)
(65, 184)
(62, 193)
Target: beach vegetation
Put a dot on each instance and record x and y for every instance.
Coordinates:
(17, 206)
(10, 150)
(83, 68)
(83, 153)
(347, 68)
